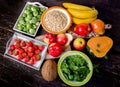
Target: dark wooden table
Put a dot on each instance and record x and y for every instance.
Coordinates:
(13, 74)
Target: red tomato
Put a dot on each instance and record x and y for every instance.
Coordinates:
(55, 49)
(81, 29)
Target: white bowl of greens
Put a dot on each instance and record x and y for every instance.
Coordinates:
(75, 68)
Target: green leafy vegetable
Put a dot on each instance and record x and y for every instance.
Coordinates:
(75, 68)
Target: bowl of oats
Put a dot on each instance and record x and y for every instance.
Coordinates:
(56, 20)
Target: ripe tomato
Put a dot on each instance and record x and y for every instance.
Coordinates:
(82, 29)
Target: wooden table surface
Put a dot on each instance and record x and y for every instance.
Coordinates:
(14, 74)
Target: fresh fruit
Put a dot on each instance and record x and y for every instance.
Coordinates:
(17, 45)
(31, 61)
(36, 57)
(81, 29)
(61, 39)
(12, 47)
(20, 57)
(21, 50)
(75, 6)
(37, 51)
(100, 45)
(83, 14)
(24, 54)
(30, 43)
(69, 37)
(98, 26)
(10, 52)
(17, 41)
(26, 59)
(26, 51)
(55, 49)
(23, 44)
(41, 48)
(49, 70)
(79, 43)
(83, 20)
(49, 38)
(15, 52)
(36, 47)
(30, 49)
(30, 54)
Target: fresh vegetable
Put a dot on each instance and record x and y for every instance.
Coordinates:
(75, 68)
(55, 49)
(79, 43)
(81, 29)
(30, 19)
(49, 70)
(100, 45)
(98, 26)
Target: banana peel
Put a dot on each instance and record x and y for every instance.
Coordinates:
(83, 20)
(83, 14)
(75, 6)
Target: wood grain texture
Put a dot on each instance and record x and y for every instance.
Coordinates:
(13, 74)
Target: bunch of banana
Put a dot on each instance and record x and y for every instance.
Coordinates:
(81, 13)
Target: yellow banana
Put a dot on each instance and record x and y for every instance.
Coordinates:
(84, 20)
(75, 6)
(83, 14)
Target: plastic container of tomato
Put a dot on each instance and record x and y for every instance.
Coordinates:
(41, 55)
(28, 21)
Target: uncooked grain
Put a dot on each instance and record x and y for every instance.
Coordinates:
(55, 21)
